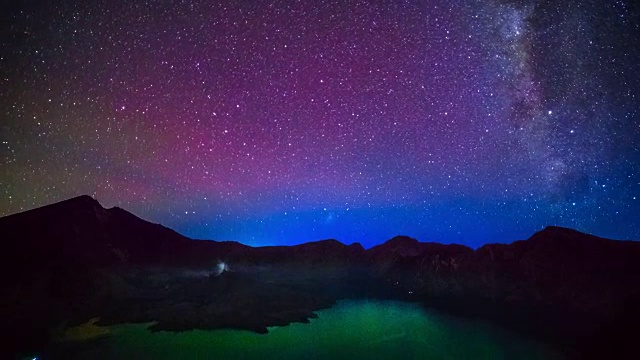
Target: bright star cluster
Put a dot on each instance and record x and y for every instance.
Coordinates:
(280, 122)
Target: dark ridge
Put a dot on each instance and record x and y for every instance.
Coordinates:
(399, 245)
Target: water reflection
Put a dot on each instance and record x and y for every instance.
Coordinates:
(350, 330)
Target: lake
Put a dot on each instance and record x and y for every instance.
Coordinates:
(357, 329)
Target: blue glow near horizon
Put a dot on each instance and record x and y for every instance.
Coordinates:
(453, 222)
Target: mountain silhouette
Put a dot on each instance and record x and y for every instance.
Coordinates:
(72, 261)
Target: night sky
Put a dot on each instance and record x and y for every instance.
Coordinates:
(280, 122)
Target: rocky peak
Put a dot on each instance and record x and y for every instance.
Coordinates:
(398, 246)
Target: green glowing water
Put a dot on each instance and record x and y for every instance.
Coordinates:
(350, 330)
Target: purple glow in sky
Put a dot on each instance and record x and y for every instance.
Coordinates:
(281, 122)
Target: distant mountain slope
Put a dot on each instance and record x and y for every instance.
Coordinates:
(82, 232)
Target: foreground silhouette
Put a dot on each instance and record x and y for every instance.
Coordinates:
(70, 262)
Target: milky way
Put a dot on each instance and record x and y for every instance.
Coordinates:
(281, 122)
